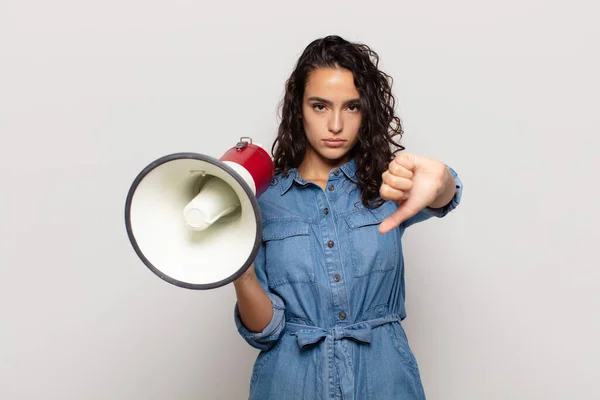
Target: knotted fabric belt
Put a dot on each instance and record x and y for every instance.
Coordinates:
(360, 331)
(337, 361)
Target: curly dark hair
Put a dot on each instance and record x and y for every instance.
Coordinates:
(376, 146)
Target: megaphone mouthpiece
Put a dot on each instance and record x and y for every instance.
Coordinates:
(215, 200)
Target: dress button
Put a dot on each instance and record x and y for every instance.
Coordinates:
(336, 277)
(342, 315)
(336, 172)
(331, 187)
(326, 211)
(330, 243)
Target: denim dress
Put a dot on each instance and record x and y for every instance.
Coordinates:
(337, 288)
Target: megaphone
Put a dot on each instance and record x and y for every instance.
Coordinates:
(194, 220)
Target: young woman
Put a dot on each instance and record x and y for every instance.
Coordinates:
(324, 299)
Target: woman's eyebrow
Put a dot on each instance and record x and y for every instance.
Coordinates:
(329, 102)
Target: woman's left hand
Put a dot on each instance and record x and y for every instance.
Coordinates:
(415, 182)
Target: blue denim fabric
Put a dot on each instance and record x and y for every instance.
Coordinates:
(337, 288)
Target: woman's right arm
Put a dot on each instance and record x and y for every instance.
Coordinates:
(254, 305)
(259, 313)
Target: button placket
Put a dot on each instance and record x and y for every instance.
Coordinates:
(333, 262)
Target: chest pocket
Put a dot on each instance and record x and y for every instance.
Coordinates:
(371, 251)
(288, 255)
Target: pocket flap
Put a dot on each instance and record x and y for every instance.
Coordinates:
(281, 229)
(366, 216)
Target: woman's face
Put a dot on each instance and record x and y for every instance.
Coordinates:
(331, 113)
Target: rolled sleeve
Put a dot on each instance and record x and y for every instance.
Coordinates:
(429, 212)
(267, 338)
(270, 334)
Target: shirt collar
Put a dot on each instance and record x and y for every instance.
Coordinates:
(349, 169)
(286, 182)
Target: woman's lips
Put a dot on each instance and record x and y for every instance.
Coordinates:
(333, 142)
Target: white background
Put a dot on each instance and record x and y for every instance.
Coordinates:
(503, 294)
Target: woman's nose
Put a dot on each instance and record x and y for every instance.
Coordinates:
(335, 123)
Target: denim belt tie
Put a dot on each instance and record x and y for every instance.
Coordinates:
(360, 332)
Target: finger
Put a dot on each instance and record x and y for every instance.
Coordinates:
(406, 160)
(397, 182)
(397, 169)
(404, 212)
(389, 193)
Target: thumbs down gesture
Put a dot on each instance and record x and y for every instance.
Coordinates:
(415, 182)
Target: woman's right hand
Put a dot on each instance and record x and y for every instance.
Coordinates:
(248, 274)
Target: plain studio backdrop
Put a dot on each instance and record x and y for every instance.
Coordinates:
(503, 294)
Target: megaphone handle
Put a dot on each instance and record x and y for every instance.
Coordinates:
(242, 144)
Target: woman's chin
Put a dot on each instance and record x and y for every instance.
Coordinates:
(334, 155)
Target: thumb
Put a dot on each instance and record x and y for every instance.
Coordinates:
(405, 211)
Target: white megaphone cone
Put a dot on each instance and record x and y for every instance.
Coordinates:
(194, 220)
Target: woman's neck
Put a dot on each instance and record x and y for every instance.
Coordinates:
(315, 168)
